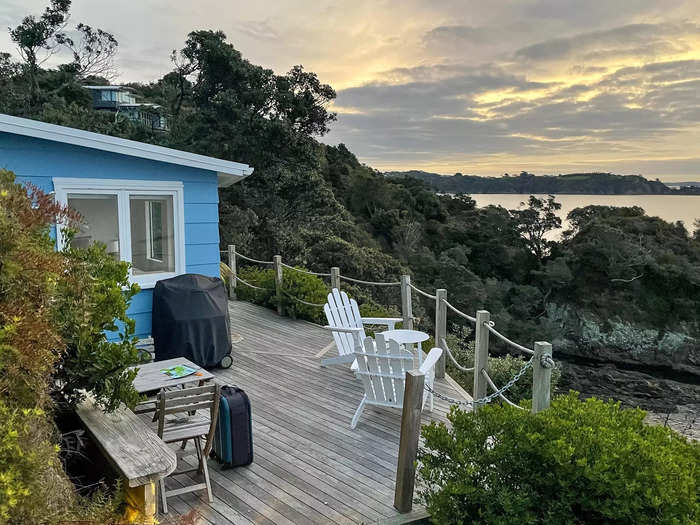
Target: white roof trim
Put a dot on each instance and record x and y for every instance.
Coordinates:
(228, 172)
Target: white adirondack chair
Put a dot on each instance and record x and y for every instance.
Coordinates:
(382, 366)
(347, 325)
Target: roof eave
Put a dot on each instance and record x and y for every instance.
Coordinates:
(232, 171)
(227, 179)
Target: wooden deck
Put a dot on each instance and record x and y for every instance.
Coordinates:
(309, 466)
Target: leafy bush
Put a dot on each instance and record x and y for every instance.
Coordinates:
(501, 369)
(90, 300)
(298, 285)
(576, 462)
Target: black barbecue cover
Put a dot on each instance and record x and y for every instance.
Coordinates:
(191, 320)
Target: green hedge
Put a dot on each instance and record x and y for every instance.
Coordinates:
(303, 286)
(577, 462)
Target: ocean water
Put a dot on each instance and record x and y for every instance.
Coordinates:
(671, 208)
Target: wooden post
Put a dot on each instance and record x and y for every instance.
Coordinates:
(440, 329)
(408, 443)
(335, 278)
(140, 504)
(541, 378)
(234, 273)
(406, 304)
(277, 265)
(481, 355)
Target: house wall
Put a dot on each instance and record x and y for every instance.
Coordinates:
(37, 161)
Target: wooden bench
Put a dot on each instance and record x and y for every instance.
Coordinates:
(135, 451)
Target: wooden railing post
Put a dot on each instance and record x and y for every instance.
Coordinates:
(277, 265)
(234, 274)
(541, 378)
(408, 443)
(335, 278)
(406, 303)
(481, 354)
(440, 328)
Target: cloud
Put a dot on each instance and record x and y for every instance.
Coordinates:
(633, 40)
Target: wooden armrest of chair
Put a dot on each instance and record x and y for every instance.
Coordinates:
(343, 330)
(388, 321)
(430, 361)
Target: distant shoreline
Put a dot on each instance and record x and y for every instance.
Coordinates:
(529, 184)
(577, 194)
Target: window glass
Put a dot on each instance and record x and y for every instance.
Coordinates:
(152, 237)
(100, 221)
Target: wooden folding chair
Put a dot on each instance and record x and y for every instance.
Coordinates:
(187, 402)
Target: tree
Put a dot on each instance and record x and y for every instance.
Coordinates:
(36, 35)
(39, 38)
(536, 221)
(93, 53)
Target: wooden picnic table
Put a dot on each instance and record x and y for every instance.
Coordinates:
(150, 378)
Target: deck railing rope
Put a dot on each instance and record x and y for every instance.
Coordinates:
(460, 313)
(424, 294)
(454, 361)
(490, 328)
(308, 272)
(371, 283)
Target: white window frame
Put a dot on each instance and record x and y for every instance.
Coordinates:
(149, 231)
(123, 189)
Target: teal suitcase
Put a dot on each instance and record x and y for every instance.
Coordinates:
(233, 439)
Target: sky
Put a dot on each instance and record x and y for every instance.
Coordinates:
(479, 87)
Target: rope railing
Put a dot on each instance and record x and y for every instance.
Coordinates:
(443, 342)
(424, 294)
(308, 272)
(250, 259)
(459, 313)
(503, 338)
(246, 283)
(372, 283)
(315, 305)
(495, 388)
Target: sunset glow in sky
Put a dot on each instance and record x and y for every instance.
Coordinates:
(548, 86)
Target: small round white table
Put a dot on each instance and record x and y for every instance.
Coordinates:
(409, 337)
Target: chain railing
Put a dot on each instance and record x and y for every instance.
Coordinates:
(486, 399)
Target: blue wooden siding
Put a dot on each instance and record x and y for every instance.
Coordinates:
(38, 161)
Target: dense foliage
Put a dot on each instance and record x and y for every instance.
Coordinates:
(51, 321)
(577, 462)
(527, 183)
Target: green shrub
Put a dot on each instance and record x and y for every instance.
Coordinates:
(90, 300)
(576, 462)
(501, 369)
(298, 285)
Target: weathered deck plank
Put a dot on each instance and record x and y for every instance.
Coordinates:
(309, 467)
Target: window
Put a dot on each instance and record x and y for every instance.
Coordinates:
(141, 222)
(151, 233)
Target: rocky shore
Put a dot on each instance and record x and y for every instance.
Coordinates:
(669, 399)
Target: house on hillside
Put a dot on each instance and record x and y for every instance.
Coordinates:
(121, 100)
(154, 207)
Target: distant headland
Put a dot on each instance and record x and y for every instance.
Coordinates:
(570, 183)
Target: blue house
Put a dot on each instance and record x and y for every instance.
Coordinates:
(154, 207)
